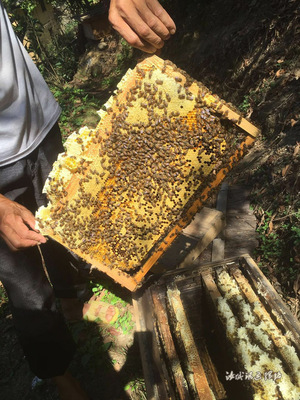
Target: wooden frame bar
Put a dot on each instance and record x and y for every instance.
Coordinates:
(161, 316)
(277, 307)
(198, 375)
(156, 388)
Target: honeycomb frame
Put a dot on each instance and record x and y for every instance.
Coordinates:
(160, 188)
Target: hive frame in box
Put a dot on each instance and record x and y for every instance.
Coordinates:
(165, 371)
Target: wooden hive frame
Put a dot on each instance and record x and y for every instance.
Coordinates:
(131, 280)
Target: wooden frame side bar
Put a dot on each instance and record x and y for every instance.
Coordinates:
(161, 316)
(198, 373)
(278, 308)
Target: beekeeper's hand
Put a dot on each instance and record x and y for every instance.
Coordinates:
(15, 224)
(144, 24)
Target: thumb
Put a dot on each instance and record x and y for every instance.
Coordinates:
(29, 219)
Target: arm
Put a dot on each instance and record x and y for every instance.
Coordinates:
(17, 225)
(143, 23)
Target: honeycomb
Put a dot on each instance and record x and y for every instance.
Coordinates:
(273, 372)
(122, 192)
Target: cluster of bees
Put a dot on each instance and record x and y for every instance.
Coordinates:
(158, 144)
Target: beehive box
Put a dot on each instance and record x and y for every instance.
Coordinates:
(219, 331)
(122, 192)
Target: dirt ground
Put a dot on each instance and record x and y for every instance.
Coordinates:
(106, 363)
(248, 54)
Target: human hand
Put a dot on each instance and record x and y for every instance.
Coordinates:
(15, 224)
(144, 24)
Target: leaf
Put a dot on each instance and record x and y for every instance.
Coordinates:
(296, 150)
(285, 170)
(280, 72)
(270, 228)
(293, 122)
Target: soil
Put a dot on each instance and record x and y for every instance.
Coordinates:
(107, 362)
(248, 54)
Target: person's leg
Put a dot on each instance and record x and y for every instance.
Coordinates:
(69, 388)
(69, 283)
(46, 341)
(43, 334)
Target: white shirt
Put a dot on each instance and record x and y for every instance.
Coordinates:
(28, 109)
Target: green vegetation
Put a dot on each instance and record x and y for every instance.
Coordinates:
(124, 57)
(125, 54)
(3, 299)
(78, 108)
(92, 351)
(58, 58)
(25, 24)
(61, 55)
(277, 248)
(258, 95)
(124, 321)
(245, 105)
(137, 386)
(277, 208)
